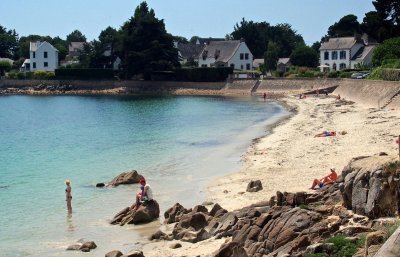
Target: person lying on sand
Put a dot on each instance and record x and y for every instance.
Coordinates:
(326, 134)
(329, 179)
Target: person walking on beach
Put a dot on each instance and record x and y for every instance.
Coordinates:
(68, 195)
(145, 193)
(329, 179)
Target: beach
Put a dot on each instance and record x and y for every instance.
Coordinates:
(290, 157)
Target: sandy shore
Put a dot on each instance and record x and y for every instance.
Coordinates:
(291, 157)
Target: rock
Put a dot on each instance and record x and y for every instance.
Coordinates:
(134, 253)
(200, 208)
(254, 186)
(231, 249)
(100, 185)
(371, 190)
(147, 212)
(175, 246)
(89, 244)
(114, 253)
(214, 209)
(207, 203)
(129, 177)
(158, 235)
(174, 213)
(85, 249)
(319, 248)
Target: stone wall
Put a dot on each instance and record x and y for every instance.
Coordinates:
(104, 84)
(371, 93)
(299, 85)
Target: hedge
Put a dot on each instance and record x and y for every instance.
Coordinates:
(391, 74)
(203, 74)
(84, 73)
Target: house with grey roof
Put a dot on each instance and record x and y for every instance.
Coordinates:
(231, 53)
(74, 49)
(283, 64)
(43, 57)
(346, 52)
(189, 53)
(257, 63)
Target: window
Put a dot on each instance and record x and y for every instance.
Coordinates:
(34, 65)
(204, 65)
(233, 65)
(247, 66)
(241, 67)
(342, 66)
(334, 55)
(246, 56)
(342, 55)
(326, 56)
(241, 56)
(46, 64)
(34, 54)
(45, 54)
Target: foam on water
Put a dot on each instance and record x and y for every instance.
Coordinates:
(178, 143)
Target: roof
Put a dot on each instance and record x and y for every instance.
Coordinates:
(363, 52)
(257, 62)
(338, 43)
(190, 50)
(34, 46)
(222, 51)
(76, 45)
(206, 41)
(284, 61)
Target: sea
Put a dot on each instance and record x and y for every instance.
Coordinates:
(178, 143)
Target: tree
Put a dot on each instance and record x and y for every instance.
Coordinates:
(76, 36)
(271, 56)
(384, 23)
(8, 43)
(61, 45)
(108, 48)
(347, 26)
(389, 49)
(304, 56)
(5, 66)
(258, 35)
(180, 39)
(146, 45)
(316, 46)
(193, 39)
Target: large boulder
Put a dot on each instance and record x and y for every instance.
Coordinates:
(129, 177)
(371, 185)
(147, 212)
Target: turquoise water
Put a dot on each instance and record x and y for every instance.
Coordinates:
(178, 143)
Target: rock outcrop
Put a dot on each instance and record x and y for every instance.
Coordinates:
(371, 186)
(129, 177)
(254, 186)
(147, 212)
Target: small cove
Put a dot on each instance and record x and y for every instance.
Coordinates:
(178, 143)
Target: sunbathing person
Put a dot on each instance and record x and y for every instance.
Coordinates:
(329, 179)
(326, 134)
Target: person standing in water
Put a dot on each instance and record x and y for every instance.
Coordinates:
(68, 195)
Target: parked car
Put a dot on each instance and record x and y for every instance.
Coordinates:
(357, 75)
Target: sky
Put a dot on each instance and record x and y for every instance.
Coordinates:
(187, 18)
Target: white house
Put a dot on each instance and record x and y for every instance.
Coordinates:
(43, 57)
(232, 53)
(189, 52)
(346, 53)
(75, 48)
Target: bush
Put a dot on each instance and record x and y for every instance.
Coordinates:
(84, 73)
(333, 74)
(43, 75)
(342, 247)
(390, 74)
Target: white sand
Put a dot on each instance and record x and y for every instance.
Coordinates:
(291, 157)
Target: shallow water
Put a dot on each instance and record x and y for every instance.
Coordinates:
(178, 143)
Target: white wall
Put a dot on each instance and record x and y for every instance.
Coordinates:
(52, 58)
(236, 58)
(207, 61)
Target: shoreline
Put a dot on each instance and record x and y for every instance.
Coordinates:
(289, 157)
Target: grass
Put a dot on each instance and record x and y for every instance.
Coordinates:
(390, 228)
